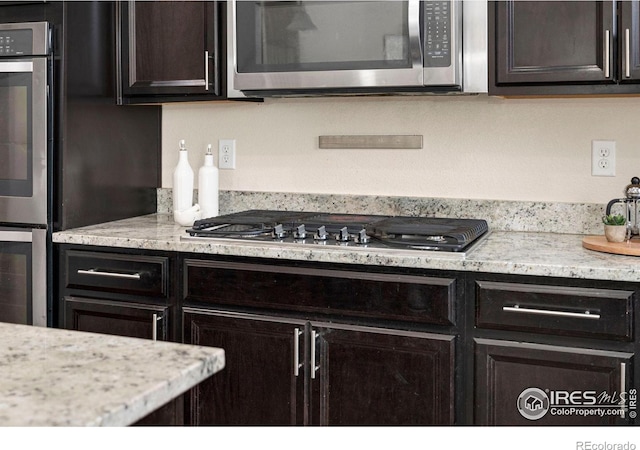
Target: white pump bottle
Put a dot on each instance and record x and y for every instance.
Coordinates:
(182, 185)
(208, 186)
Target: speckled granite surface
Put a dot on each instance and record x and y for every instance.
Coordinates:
(545, 217)
(53, 377)
(522, 253)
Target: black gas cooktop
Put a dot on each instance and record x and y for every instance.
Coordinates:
(354, 230)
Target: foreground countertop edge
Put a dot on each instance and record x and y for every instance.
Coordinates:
(519, 253)
(54, 377)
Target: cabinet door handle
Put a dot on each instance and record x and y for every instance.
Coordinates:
(548, 312)
(607, 52)
(623, 386)
(296, 351)
(206, 70)
(627, 56)
(314, 367)
(154, 326)
(130, 276)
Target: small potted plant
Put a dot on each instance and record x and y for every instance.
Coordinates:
(615, 227)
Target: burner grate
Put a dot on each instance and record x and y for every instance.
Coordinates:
(459, 231)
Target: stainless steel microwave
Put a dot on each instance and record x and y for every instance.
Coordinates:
(280, 48)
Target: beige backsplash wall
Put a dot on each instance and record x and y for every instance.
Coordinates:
(474, 147)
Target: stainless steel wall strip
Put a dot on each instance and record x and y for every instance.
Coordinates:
(371, 141)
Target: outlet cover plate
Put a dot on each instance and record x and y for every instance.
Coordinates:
(603, 158)
(227, 154)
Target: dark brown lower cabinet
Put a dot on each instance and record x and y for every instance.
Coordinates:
(566, 377)
(283, 371)
(373, 376)
(124, 319)
(257, 385)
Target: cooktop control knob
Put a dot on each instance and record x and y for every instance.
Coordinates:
(300, 232)
(321, 234)
(361, 237)
(343, 235)
(278, 232)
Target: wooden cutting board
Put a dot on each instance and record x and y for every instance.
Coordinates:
(600, 244)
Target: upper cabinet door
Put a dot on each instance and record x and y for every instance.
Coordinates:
(629, 37)
(170, 50)
(553, 41)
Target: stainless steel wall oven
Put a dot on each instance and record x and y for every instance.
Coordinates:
(25, 139)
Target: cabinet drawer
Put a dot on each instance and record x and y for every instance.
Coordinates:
(117, 318)
(112, 272)
(567, 311)
(362, 294)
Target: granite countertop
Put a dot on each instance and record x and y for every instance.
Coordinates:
(53, 377)
(521, 253)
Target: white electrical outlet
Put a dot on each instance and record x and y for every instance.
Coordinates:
(227, 154)
(603, 158)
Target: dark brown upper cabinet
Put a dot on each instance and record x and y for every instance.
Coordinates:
(564, 47)
(630, 40)
(171, 51)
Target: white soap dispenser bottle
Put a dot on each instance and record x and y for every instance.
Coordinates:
(182, 183)
(208, 186)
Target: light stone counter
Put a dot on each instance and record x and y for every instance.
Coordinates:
(522, 253)
(52, 377)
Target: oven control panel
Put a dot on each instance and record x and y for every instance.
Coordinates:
(16, 42)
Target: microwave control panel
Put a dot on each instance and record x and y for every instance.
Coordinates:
(16, 42)
(437, 33)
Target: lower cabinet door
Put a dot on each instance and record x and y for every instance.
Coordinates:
(125, 319)
(259, 384)
(371, 376)
(520, 383)
(282, 371)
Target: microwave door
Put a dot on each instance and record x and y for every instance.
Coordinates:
(325, 45)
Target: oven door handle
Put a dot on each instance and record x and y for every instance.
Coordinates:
(16, 66)
(16, 236)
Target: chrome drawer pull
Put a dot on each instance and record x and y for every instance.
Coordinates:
(627, 59)
(607, 52)
(130, 276)
(547, 312)
(206, 70)
(154, 326)
(314, 368)
(623, 386)
(296, 351)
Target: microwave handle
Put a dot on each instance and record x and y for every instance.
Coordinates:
(415, 34)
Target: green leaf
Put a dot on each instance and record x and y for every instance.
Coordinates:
(614, 219)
